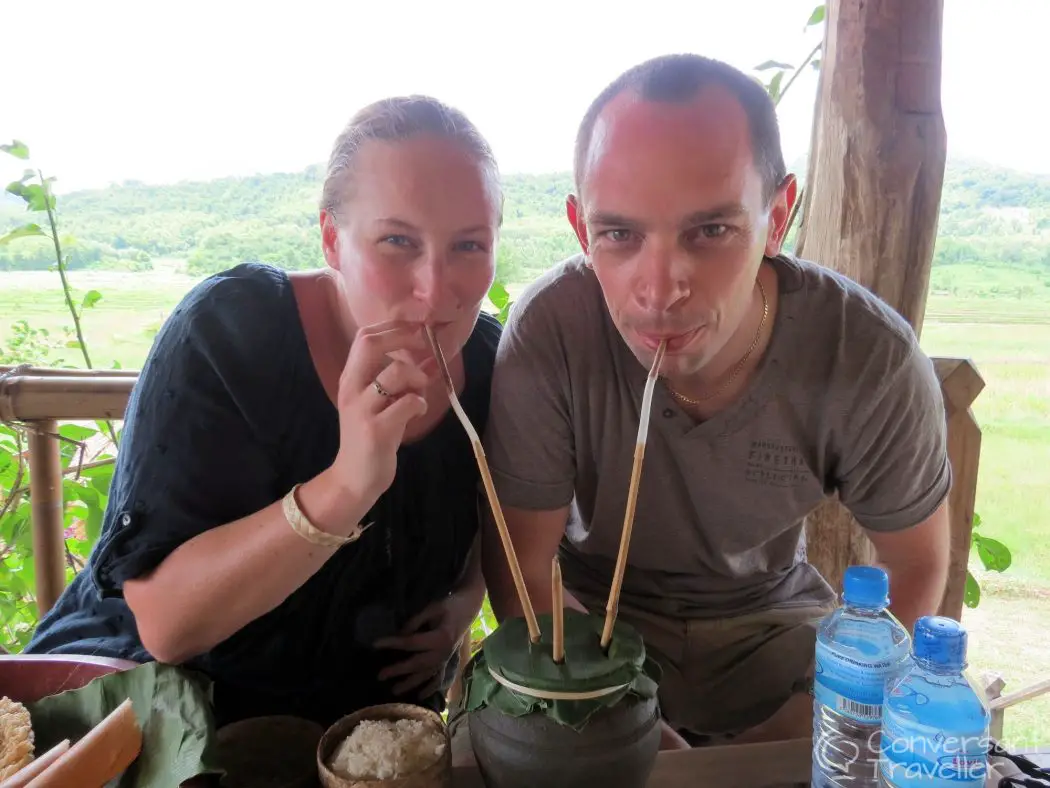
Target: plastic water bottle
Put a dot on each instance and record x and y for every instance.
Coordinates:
(935, 727)
(860, 648)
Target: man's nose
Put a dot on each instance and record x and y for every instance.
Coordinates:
(659, 282)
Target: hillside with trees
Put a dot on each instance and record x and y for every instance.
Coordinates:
(990, 218)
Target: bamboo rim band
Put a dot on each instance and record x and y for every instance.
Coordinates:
(554, 694)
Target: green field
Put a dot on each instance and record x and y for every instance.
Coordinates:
(1007, 337)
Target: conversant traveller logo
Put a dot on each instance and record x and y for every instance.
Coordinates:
(910, 758)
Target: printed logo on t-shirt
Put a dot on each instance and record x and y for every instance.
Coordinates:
(776, 464)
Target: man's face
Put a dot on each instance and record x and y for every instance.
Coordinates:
(672, 218)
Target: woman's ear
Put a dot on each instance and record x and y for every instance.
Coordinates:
(330, 239)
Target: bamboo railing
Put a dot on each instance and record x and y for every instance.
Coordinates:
(39, 398)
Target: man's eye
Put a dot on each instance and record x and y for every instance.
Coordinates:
(618, 235)
(714, 230)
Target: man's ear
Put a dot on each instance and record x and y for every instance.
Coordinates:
(330, 240)
(574, 212)
(780, 214)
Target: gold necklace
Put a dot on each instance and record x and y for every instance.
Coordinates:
(736, 367)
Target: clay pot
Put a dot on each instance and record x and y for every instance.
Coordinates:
(617, 747)
(437, 775)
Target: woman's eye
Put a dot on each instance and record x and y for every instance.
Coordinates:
(469, 246)
(398, 240)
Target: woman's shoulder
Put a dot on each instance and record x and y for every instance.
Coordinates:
(244, 293)
(485, 339)
(232, 314)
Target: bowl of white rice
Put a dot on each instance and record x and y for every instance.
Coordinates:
(396, 745)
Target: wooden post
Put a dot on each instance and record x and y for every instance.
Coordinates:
(960, 385)
(873, 188)
(45, 495)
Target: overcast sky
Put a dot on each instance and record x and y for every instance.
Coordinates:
(164, 91)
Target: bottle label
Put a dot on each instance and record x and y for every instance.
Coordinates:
(852, 685)
(914, 755)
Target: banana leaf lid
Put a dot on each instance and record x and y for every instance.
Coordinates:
(519, 677)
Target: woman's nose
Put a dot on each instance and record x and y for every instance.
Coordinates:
(431, 281)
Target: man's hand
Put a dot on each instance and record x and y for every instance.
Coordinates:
(916, 559)
(669, 738)
(434, 634)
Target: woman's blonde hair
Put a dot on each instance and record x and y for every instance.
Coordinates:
(395, 119)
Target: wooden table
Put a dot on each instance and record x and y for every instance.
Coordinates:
(777, 764)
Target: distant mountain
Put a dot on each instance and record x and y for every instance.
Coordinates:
(990, 216)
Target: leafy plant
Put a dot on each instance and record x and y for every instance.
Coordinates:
(994, 556)
(86, 459)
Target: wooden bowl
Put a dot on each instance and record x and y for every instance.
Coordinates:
(437, 775)
(269, 752)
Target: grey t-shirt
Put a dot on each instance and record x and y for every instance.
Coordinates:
(843, 401)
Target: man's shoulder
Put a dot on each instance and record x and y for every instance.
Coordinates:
(564, 298)
(826, 305)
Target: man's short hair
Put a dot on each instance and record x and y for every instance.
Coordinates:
(677, 79)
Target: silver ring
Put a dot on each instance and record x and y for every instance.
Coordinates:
(380, 390)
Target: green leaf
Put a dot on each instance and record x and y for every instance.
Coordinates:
(77, 432)
(498, 295)
(73, 343)
(774, 86)
(976, 520)
(25, 231)
(817, 16)
(36, 197)
(972, 591)
(100, 478)
(91, 297)
(815, 63)
(772, 64)
(17, 149)
(994, 554)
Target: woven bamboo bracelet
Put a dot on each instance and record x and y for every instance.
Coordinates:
(301, 524)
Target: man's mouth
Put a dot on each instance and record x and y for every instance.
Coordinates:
(675, 341)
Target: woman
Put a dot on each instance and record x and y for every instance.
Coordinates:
(295, 506)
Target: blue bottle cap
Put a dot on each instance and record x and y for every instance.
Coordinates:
(940, 641)
(866, 586)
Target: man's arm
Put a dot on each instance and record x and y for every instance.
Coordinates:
(916, 560)
(535, 535)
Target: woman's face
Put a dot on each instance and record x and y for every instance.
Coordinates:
(415, 234)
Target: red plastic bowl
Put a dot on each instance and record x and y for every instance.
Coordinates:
(30, 677)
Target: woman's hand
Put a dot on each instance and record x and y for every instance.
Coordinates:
(378, 397)
(434, 635)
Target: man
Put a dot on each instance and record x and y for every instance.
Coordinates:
(782, 382)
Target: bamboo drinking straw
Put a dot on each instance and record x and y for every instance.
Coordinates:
(557, 612)
(490, 490)
(612, 605)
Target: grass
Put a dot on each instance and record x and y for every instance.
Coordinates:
(1007, 337)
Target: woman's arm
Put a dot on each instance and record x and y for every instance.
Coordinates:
(216, 583)
(195, 541)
